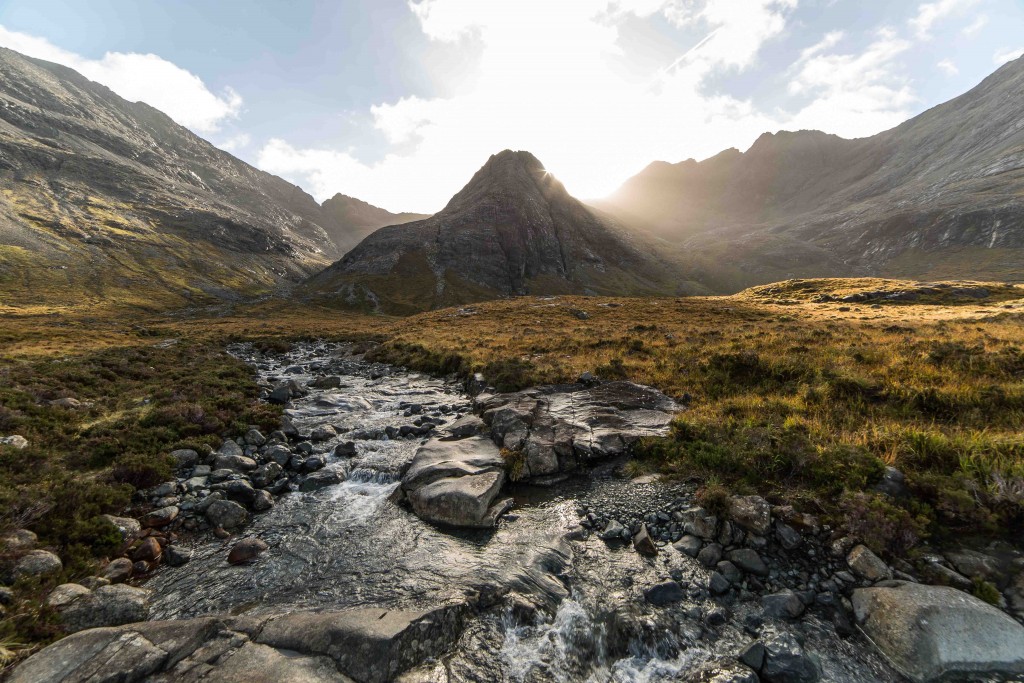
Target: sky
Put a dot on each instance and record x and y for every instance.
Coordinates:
(399, 102)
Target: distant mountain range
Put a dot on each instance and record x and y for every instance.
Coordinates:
(513, 229)
(104, 199)
(941, 195)
(107, 201)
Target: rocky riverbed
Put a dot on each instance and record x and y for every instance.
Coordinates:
(302, 556)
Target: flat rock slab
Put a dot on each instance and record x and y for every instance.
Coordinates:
(455, 482)
(932, 632)
(562, 428)
(361, 646)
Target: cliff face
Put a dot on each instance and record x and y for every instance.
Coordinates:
(101, 198)
(513, 229)
(938, 196)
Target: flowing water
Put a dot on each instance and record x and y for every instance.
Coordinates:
(347, 545)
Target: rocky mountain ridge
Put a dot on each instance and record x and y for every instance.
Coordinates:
(512, 230)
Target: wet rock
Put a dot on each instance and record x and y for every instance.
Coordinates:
(160, 518)
(35, 563)
(753, 513)
(643, 544)
(323, 433)
(718, 584)
(786, 662)
(118, 571)
(314, 463)
(455, 482)
(688, 545)
(782, 605)
(176, 556)
(933, 569)
(94, 582)
(662, 594)
(147, 551)
(753, 655)
(893, 483)
(930, 632)
(326, 382)
(266, 474)
(559, 429)
(321, 480)
(280, 395)
(748, 560)
(716, 616)
(723, 673)
(280, 455)
(262, 501)
(730, 571)
(613, 531)
(226, 514)
(247, 550)
(868, 565)
(346, 449)
(789, 538)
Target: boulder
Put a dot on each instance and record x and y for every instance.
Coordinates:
(323, 433)
(236, 463)
(868, 565)
(782, 605)
(247, 550)
(35, 563)
(226, 514)
(128, 527)
(16, 441)
(321, 479)
(666, 593)
(160, 517)
(19, 539)
(470, 425)
(688, 545)
(753, 513)
(147, 551)
(932, 632)
(748, 560)
(455, 482)
(786, 662)
(176, 556)
(643, 543)
(185, 458)
(114, 605)
(118, 571)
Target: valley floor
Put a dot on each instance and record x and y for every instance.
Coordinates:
(829, 395)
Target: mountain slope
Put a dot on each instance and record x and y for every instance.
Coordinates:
(513, 229)
(102, 199)
(353, 219)
(938, 196)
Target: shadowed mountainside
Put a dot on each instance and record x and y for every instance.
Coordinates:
(354, 219)
(513, 229)
(939, 196)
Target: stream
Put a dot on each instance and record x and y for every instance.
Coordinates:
(576, 611)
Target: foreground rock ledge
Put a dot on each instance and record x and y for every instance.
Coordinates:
(369, 645)
(936, 632)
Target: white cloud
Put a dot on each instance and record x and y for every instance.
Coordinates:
(948, 67)
(546, 82)
(854, 95)
(235, 143)
(141, 77)
(930, 13)
(1003, 56)
(975, 26)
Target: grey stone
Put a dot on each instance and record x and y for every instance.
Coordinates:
(226, 514)
(185, 457)
(718, 584)
(323, 433)
(789, 537)
(868, 565)
(253, 437)
(247, 550)
(16, 441)
(662, 594)
(753, 513)
(930, 632)
(753, 655)
(748, 560)
(320, 480)
(786, 662)
(688, 545)
(113, 605)
(21, 539)
(118, 571)
(782, 605)
(730, 571)
(235, 463)
(710, 555)
(643, 543)
(176, 556)
(35, 563)
(161, 517)
(469, 425)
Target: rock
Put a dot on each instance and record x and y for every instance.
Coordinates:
(868, 565)
(247, 550)
(455, 482)
(65, 594)
(345, 450)
(266, 474)
(147, 551)
(326, 382)
(786, 662)
(643, 543)
(230, 447)
(15, 441)
(718, 584)
(118, 571)
(613, 531)
(732, 573)
(782, 605)
(320, 480)
(662, 594)
(893, 483)
(253, 437)
(107, 606)
(6, 596)
(262, 501)
(930, 632)
(280, 395)
(688, 545)
(35, 563)
(699, 522)
(753, 513)
(94, 582)
(226, 514)
(128, 527)
(470, 425)
(976, 565)
(160, 518)
(185, 458)
(723, 672)
(710, 555)
(238, 490)
(314, 463)
(748, 560)
(789, 538)
(176, 556)
(279, 455)
(236, 463)
(716, 616)
(20, 539)
(323, 433)
(753, 655)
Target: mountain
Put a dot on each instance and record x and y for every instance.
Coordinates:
(940, 196)
(513, 229)
(103, 200)
(353, 219)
